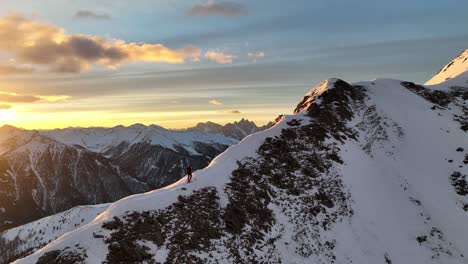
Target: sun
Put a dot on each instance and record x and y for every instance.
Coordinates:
(7, 115)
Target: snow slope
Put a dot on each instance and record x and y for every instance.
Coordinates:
(456, 67)
(373, 172)
(30, 237)
(403, 190)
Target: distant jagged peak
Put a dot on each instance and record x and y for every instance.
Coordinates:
(241, 121)
(236, 130)
(456, 67)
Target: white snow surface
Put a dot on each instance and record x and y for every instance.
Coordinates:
(385, 187)
(101, 139)
(47, 229)
(385, 220)
(456, 67)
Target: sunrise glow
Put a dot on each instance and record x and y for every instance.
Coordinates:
(174, 65)
(7, 116)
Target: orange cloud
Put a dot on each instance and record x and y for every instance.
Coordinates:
(7, 69)
(22, 98)
(45, 45)
(219, 57)
(4, 106)
(18, 98)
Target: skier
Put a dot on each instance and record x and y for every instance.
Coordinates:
(188, 170)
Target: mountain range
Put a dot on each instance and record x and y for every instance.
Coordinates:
(237, 130)
(50, 171)
(365, 172)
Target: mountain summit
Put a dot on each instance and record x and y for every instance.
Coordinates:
(457, 66)
(367, 172)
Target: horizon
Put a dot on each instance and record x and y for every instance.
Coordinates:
(134, 124)
(175, 64)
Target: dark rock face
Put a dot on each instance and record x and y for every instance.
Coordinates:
(436, 97)
(459, 183)
(59, 257)
(191, 224)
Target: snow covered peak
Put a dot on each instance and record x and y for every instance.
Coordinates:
(13, 136)
(237, 130)
(456, 67)
(314, 94)
(101, 139)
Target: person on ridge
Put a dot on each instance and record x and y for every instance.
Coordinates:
(188, 170)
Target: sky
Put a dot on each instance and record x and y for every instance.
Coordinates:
(70, 63)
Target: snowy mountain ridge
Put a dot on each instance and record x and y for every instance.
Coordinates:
(237, 130)
(101, 139)
(353, 176)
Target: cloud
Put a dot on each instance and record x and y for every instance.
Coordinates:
(235, 112)
(7, 69)
(213, 8)
(92, 15)
(257, 54)
(55, 98)
(219, 57)
(215, 102)
(48, 46)
(22, 98)
(4, 106)
(18, 98)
